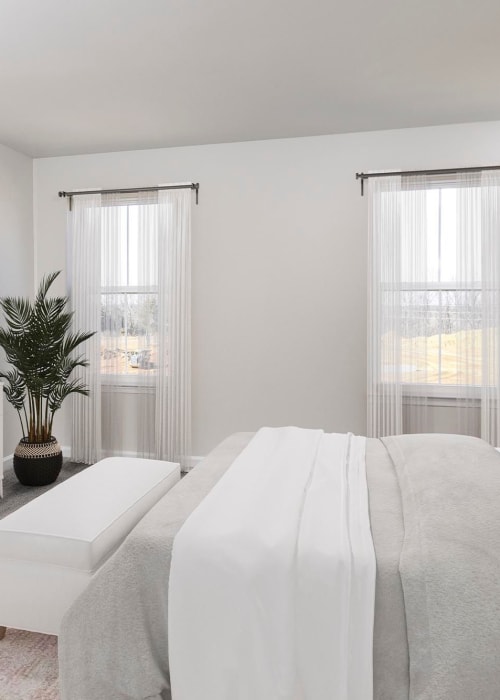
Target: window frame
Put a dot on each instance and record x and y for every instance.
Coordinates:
(440, 393)
(122, 380)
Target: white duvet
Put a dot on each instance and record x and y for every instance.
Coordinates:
(272, 584)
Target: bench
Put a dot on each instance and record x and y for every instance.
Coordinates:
(52, 547)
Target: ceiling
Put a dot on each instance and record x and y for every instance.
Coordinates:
(86, 76)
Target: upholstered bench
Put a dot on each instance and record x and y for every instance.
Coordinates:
(51, 547)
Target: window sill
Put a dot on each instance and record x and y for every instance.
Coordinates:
(441, 395)
(127, 385)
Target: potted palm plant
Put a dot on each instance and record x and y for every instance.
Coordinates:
(40, 346)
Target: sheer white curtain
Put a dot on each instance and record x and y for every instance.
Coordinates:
(434, 305)
(173, 397)
(141, 308)
(385, 409)
(490, 265)
(84, 244)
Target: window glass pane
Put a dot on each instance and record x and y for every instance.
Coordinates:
(448, 235)
(469, 235)
(441, 336)
(432, 236)
(114, 246)
(129, 333)
(420, 237)
(142, 245)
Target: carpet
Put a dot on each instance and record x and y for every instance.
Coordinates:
(28, 661)
(28, 666)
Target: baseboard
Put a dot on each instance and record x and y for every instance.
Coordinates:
(127, 454)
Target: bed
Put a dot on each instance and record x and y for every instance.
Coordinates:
(434, 503)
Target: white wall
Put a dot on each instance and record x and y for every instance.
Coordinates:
(16, 246)
(279, 263)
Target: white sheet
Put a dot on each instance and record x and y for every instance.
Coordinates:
(272, 583)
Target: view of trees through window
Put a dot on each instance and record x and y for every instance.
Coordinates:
(442, 336)
(129, 323)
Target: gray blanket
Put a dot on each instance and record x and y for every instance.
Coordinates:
(450, 564)
(435, 516)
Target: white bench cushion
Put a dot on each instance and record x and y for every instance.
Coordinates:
(81, 521)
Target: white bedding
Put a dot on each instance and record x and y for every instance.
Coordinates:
(272, 583)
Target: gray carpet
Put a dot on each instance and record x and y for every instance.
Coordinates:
(16, 495)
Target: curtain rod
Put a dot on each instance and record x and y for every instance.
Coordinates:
(440, 171)
(192, 186)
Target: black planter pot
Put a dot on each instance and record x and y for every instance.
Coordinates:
(37, 463)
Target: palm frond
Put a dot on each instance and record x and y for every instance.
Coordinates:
(63, 390)
(14, 388)
(17, 313)
(72, 340)
(45, 285)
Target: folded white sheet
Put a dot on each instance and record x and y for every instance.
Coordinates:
(272, 583)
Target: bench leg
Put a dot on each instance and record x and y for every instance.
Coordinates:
(3, 630)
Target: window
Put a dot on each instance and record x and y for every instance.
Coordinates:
(130, 258)
(439, 297)
(434, 306)
(129, 292)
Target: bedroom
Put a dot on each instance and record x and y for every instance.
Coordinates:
(280, 233)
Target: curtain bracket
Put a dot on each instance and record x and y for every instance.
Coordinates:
(362, 177)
